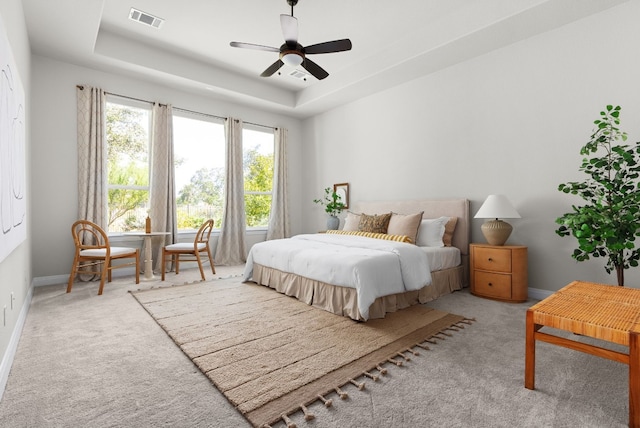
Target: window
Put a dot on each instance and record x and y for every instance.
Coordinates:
(258, 147)
(199, 156)
(127, 165)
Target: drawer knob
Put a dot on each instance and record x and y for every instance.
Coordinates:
(490, 284)
(490, 259)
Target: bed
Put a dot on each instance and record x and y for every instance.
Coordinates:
(386, 275)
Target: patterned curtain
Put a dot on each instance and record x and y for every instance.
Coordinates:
(231, 243)
(279, 217)
(162, 198)
(92, 155)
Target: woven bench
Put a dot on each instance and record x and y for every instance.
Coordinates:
(604, 312)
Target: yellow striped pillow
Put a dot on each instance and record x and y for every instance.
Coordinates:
(398, 238)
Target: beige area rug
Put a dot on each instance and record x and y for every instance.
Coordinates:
(272, 355)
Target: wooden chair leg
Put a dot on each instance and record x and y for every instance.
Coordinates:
(176, 262)
(108, 267)
(213, 268)
(200, 265)
(74, 271)
(106, 271)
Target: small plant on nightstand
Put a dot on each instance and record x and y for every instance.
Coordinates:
(333, 206)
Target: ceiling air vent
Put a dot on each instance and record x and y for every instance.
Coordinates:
(299, 74)
(145, 18)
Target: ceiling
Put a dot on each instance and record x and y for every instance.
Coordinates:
(393, 41)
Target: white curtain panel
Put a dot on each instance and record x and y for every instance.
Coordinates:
(162, 199)
(279, 217)
(92, 155)
(231, 249)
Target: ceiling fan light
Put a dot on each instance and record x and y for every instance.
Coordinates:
(292, 59)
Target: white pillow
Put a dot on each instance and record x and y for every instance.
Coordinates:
(351, 222)
(431, 232)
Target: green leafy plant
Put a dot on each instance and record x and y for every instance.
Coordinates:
(332, 202)
(608, 224)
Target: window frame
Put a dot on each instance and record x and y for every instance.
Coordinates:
(259, 128)
(204, 117)
(137, 104)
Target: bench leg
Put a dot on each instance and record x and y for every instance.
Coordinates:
(530, 353)
(634, 380)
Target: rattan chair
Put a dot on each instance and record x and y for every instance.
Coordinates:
(190, 251)
(94, 254)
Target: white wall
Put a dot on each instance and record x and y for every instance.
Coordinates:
(511, 121)
(55, 156)
(15, 270)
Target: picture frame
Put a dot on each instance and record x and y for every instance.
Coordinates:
(342, 189)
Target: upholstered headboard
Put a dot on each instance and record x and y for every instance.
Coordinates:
(433, 208)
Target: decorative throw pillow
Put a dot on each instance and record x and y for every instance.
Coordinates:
(448, 231)
(374, 223)
(431, 232)
(352, 221)
(405, 224)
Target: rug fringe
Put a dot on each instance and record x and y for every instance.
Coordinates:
(398, 359)
(307, 415)
(289, 422)
(401, 355)
(327, 403)
(360, 385)
(411, 351)
(371, 376)
(396, 362)
(343, 395)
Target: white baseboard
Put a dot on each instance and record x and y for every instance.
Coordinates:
(50, 280)
(63, 279)
(10, 353)
(539, 294)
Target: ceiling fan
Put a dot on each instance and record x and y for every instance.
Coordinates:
(293, 53)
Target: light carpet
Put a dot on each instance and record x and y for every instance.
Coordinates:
(272, 355)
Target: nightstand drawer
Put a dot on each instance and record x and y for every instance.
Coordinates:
(492, 259)
(493, 285)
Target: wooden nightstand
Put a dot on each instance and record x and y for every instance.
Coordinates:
(499, 272)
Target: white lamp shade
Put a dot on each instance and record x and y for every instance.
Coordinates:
(292, 59)
(497, 206)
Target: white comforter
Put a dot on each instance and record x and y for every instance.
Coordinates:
(374, 267)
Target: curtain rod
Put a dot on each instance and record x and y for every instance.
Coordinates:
(81, 87)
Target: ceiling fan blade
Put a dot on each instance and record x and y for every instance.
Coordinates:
(329, 47)
(252, 46)
(289, 29)
(313, 68)
(272, 68)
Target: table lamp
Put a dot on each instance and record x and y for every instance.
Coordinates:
(496, 232)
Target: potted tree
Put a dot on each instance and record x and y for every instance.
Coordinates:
(333, 206)
(609, 222)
